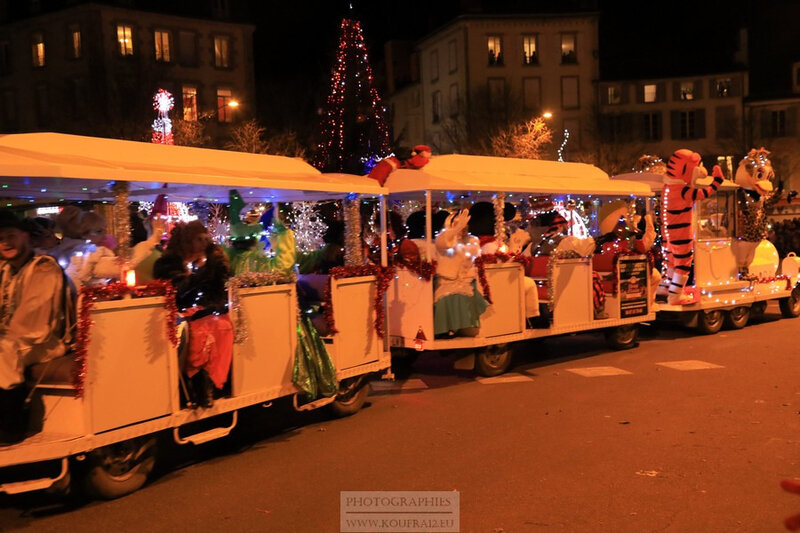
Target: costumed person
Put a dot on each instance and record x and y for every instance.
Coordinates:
(420, 156)
(95, 261)
(621, 235)
(413, 248)
(684, 184)
(199, 270)
(756, 197)
(44, 238)
(546, 232)
(35, 319)
(457, 304)
(482, 224)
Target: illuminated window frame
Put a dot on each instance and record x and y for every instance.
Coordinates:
(222, 51)
(162, 42)
(37, 50)
(125, 39)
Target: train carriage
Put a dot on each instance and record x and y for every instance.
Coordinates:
(109, 414)
(565, 281)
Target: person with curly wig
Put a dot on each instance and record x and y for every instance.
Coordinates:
(199, 269)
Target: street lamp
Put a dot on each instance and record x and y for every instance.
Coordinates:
(547, 115)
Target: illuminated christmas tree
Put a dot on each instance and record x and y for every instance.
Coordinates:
(308, 226)
(354, 128)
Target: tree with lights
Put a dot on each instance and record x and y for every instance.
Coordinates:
(527, 140)
(354, 130)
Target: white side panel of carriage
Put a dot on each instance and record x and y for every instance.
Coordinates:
(572, 284)
(129, 362)
(410, 303)
(714, 262)
(265, 359)
(506, 315)
(356, 342)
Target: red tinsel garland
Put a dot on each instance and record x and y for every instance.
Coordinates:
(491, 259)
(115, 291)
(770, 279)
(384, 276)
(423, 269)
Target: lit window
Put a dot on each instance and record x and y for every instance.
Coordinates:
(495, 45)
(614, 96)
(125, 40)
(37, 48)
(162, 46)
(723, 87)
(222, 51)
(650, 93)
(569, 52)
(530, 50)
(687, 90)
(224, 111)
(75, 41)
(189, 103)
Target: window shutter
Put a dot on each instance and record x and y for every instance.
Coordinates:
(698, 89)
(675, 124)
(766, 120)
(736, 86)
(676, 91)
(661, 92)
(640, 94)
(700, 123)
(625, 93)
(791, 121)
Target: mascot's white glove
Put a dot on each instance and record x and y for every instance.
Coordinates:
(518, 240)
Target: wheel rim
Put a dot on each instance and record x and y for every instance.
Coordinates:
(626, 334)
(713, 319)
(119, 461)
(348, 393)
(495, 358)
(738, 314)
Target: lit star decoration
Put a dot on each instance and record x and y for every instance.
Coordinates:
(354, 126)
(308, 226)
(163, 102)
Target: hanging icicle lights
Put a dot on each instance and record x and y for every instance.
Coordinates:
(351, 67)
(563, 145)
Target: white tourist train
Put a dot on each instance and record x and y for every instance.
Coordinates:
(109, 417)
(722, 296)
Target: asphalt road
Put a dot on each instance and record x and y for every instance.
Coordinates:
(545, 448)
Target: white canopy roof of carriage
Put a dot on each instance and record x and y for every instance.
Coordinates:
(80, 167)
(656, 181)
(494, 174)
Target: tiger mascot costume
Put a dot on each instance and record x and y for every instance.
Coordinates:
(684, 171)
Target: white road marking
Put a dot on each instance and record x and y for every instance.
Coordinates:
(691, 364)
(389, 386)
(597, 371)
(506, 378)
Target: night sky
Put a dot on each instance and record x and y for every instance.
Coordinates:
(295, 40)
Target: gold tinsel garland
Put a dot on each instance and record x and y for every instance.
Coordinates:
(122, 219)
(353, 251)
(245, 280)
(499, 203)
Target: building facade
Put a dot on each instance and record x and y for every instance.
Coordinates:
(658, 116)
(93, 69)
(480, 72)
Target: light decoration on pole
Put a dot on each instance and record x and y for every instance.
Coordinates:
(354, 132)
(308, 226)
(163, 102)
(176, 212)
(563, 145)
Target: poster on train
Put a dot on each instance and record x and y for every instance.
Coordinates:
(632, 287)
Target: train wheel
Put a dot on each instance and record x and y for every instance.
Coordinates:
(737, 317)
(493, 360)
(790, 307)
(709, 322)
(119, 469)
(757, 310)
(622, 337)
(352, 394)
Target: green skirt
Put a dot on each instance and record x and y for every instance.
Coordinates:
(458, 311)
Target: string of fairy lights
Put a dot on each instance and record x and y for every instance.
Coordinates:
(352, 81)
